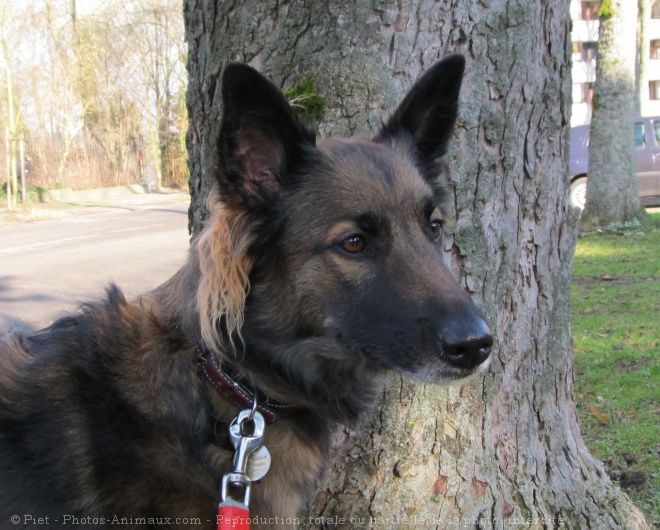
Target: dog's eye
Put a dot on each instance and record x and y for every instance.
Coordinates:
(354, 244)
(436, 229)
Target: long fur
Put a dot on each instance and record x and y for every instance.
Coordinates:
(225, 265)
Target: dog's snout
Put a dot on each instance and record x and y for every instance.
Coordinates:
(467, 345)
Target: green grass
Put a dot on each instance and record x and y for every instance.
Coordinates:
(615, 306)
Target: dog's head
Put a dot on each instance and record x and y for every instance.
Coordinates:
(340, 241)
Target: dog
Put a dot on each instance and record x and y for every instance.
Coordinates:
(319, 270)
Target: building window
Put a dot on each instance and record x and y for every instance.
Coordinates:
(587, 93)
(590, 9)
(654, 90)
(655, 9)
(585, 51)
(656, 131)
(589, 50)
(583, 92)
(640, 135)
(655, 49)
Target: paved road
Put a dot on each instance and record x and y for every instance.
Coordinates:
(47, 267)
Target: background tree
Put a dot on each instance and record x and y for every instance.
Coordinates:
(11, 127)
(160, 52)
(99, 90)
(643, 52)
(505, 449)
(612, 193)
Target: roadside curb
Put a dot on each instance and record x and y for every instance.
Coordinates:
(70, 195)
(63, 203)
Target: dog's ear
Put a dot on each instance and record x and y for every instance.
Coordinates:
(260, 137)
(427, 114)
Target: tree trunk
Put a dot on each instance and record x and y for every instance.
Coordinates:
(642, 55)
(8, 165)
(12, 129)
(612, 192)
(505, 449)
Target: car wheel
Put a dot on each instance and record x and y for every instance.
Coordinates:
(578, 196)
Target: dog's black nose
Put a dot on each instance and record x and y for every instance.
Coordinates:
(467, 345)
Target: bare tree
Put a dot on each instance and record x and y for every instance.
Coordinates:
(158, 39)
(505, 449)
(11, 129)
(612, 193)
(96, 86)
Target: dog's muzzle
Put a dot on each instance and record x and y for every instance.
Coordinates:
(466, 344)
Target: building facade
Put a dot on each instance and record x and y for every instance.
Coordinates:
(584, 16)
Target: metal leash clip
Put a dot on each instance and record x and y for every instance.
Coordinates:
(234, 513)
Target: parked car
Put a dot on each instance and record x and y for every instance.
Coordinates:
(647, 143)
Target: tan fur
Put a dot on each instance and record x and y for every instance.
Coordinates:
(294, 463)
(225, 267)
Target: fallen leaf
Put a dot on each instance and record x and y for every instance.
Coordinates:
(601, 417)
(585, 395)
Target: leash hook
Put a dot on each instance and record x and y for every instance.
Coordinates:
(232, 513)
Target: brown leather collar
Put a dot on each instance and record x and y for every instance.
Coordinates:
(238, 395)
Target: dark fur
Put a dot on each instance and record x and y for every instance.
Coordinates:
(106, 413)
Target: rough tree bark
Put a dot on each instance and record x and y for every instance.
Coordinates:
(612, 192)
(501, 451)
